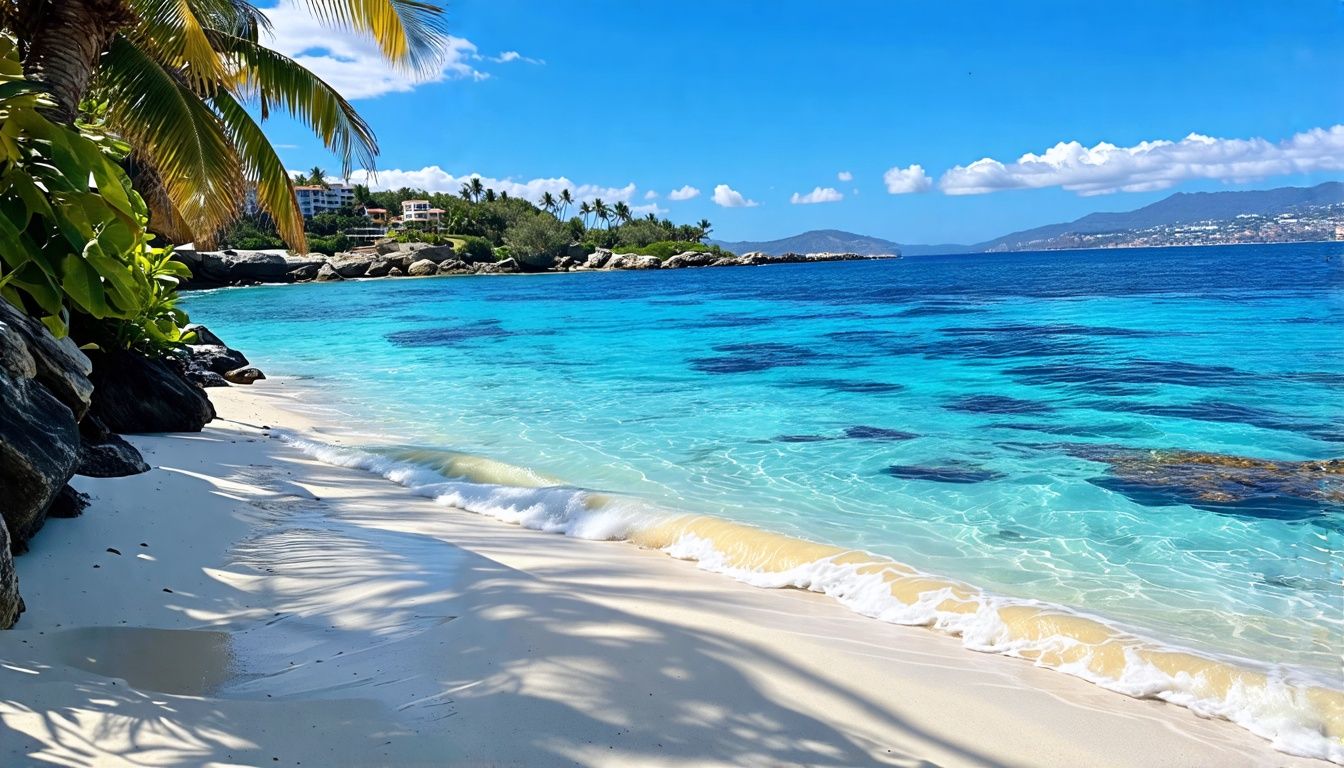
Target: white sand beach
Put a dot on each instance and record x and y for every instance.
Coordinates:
(243, 604)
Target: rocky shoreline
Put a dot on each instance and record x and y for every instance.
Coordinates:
(388, 259)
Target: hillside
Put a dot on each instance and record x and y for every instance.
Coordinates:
(1180, 208)
(1173, 211)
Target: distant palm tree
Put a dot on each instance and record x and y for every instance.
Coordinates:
(465, 192)
(477, 189)
(622, 213)
(566, 200)
(704, 228)
(601, 211)
(317, 176)
(584, 210)
(490, 195)
(362, 194)
(503, 194)
(653, 217)
(548, 203)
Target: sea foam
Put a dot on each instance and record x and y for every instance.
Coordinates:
(1295, 715)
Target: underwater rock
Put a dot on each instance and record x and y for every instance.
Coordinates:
(957, 472)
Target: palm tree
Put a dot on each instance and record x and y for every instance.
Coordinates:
(600, 210)
(653, 217)
(477, 189)
(566, 200)
(465, 192)
(548, 203)
(175, 77)
(622, 213)
(490, 195)
(704, 228)
(584, 210)
(317, 176)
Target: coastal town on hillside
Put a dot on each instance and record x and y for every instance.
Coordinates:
(1315, 224)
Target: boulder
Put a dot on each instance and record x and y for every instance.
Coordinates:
(62, 368)
(134, 393)
(378, 268)
(216, 357)
(39, 439)
(576, 251)
(352, 264)
(726, 261)
(11, 604)
(103, 453)
(422, 268)
(598, 259)
(565, 263)
(632, 261)
(203, 335)
(535, 262)
(68, 503)
(244, 375)
(435, 253)
(454, 267)
(647, 262)
(396, 272)
(384, 247)
(326, 272)
(238, 267)
(690, 259)
(205, 379)
(304, 273)
(507, 266)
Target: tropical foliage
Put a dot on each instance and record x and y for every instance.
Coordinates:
(175, 76)
(72, 236)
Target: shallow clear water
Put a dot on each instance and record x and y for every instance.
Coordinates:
(934, 410)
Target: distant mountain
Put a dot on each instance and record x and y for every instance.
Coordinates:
(836, 241)
(1180, 208)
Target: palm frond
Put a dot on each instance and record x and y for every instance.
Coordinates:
(279, 81)
(409, 32)
(164, 120)
(275, 191)
(175, 31)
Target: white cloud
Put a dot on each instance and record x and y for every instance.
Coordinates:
(817, 195)
(904, 181)
(508, 56)
(728, 197)
(844, 176)
(651, 195)
(1152, 165)
(644, 210)
(435, 179)
(352, 63)
(685, 193)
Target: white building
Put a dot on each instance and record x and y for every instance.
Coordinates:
(420, 211)
(315, 198)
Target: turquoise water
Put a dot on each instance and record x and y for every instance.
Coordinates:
(934, 410)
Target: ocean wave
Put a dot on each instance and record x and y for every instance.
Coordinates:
(1296, 715)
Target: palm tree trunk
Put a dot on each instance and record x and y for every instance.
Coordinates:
(68, 39)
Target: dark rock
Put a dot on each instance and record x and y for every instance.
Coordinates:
(133, 393)
(434, 253)
(326, 272)
(11, 604)
(1239, 485)
(350, 264)
(39, 439)
(576, 251)
(103, 453)
(306, 272)
(217, 358)
(507, 266)
(61, 367)
(378, 268)
(203, 335)
(68, 503)
(422, 268)
(238, 267)
(244, 376)
(454, 267)
(396, 272)
(203, 378)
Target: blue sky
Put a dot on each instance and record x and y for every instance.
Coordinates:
(773, 99)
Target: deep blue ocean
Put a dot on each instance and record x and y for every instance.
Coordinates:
(986, 418)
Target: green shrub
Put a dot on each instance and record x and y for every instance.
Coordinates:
(73, 244)
(538, 235)
(503, 252)
(328, 245)
(478, 248)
